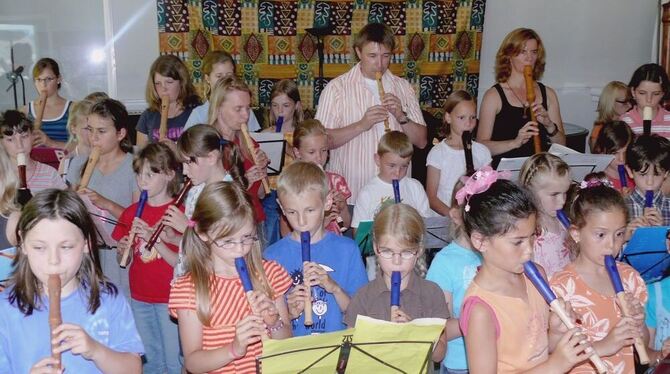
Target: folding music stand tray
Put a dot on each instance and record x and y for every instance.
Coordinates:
(343, 352)
(647, 252)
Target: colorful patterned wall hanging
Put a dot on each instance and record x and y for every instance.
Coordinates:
(439, 41)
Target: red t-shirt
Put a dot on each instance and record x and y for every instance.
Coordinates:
(149, 281)
(253, 189)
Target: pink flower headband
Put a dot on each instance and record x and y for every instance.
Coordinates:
(595, 182)
(479, 182)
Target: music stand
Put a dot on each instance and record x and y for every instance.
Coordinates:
(647, 252)
(320, 33)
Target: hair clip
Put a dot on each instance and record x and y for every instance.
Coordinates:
(595, 182)
(190, 223)
(479, 182)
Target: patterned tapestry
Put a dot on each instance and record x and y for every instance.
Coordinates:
(438, 41)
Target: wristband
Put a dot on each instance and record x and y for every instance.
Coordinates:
(405, 121)
(553, 132)
(278, 326)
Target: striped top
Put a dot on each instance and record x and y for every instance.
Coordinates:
(660, 124)
(228, 306)
(54, 128)
(44, 176)
(343, 102)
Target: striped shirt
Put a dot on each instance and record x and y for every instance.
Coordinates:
(635, 204)
(659, 125)
(228, 306)
(54, 128)
(343, 102)
(44, 176)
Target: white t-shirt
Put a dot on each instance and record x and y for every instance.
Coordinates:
(377, 192)
(451, 163)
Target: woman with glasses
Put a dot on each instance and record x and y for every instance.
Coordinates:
(615, 100)
(53, 131)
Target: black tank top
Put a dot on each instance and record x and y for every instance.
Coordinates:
(510, 120)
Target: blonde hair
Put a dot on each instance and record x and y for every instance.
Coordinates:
(212, 58)
(541, 163)
(78, 111)
(511, 46)
(289, 88)
(301, 176)
(399, 221)
(309, 127)
(219, 92)
(172, 67)
(9, 185)
(607, 99)
(223, 209)
(396, 142)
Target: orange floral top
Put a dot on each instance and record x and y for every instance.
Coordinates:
(599, 313)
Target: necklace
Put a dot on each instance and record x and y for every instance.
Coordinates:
(523, 103)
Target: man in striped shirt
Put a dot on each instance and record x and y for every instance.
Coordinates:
(353, 111)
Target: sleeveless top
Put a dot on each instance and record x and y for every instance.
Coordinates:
(54, 128)
(510, 120)
(519, 346)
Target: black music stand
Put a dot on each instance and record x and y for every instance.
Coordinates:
(345, 349)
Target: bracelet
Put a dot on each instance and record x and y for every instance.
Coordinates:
(553, 132)
(405, 121)
(233, 353)
(276, 327)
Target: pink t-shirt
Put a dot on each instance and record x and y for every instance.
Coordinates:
(659, 125)
(337, 183)
(551, 252)
(43, 177)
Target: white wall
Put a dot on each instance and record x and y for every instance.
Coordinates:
(588, 44)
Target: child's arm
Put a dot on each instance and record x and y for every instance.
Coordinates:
(317, 276)
(432, 185)
(73, 338)
(197, 360)
(480, 340)
(640, 221)
(452, 329)
(167, 236)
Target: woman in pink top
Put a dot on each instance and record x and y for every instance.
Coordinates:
(598, 217)
(504, 319)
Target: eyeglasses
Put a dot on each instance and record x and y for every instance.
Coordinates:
(622, 101)
(406, 254)
(230, 244)
(46, 80)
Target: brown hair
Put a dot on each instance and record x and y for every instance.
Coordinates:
(449, 105)
(212, 58)
(54, 204)
(541, 163)
(161, 160)
(600, 197)
(511, 46)
(301, 176)
(396, 142)
(289, 88)
(9, 184)
(375, 33)
(46, 63)
(307, 128)
(223, 209)
(114, 110)
(200, 140)
(612, 137)
(14, 121)
(172, 67)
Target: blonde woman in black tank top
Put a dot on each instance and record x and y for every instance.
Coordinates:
(504, 117)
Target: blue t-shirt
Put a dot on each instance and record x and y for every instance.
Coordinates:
(25, 340)
(658, 310)
(336, 252)
(453, 268)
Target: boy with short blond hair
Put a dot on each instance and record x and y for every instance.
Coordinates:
(335, 271)
(393, 156)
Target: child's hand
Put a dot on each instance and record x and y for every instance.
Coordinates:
(572, 349)
(556, 325)
(247, 331)
(623, 334)
(399, 316)
(262, 159)
(640, 221)
(170, 236)
(175, 218)
(295, 300)
(665, 350)
(122, 246)
(73, 338)
(40, 138)
(315, 275)
(636, 311)
(255, 174)
(141, 229)
(95, 198)
(653, 217)
(263, 306)
(46, 366)
(526, 132)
